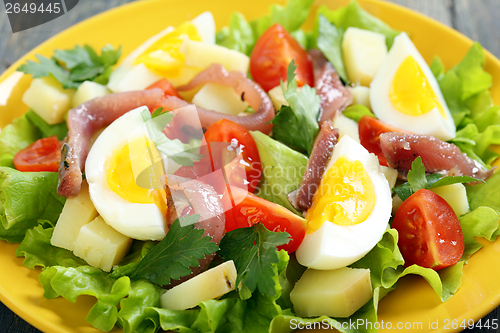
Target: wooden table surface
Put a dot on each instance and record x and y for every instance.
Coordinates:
(478, 19)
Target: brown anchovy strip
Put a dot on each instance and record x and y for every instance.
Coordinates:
(190, 196)
(322, 151)
(249, 91)
(87, 118)
(334, 95)
(401, 149)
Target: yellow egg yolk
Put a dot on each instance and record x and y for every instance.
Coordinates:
(410, 91)
(345, 196)
(164, 56)
(123, 181)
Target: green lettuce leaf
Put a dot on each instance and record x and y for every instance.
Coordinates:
(356, 112)
(16, 136)
(354, 16)
(465, 88)
(25, 198)
(329, 41)
(238, 36)
(481, 222)
(283, 169)
(290, 17)
(60, 130)
(37, 250)
(131, 316)
(485, 194)
(71, 282)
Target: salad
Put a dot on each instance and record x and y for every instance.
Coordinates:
(125, 223)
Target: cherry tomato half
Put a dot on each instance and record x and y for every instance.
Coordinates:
(42, 155)
(227, 131)
(271, 55)
(369, 135)
(249, 209)
(429, 231)
(166, 86)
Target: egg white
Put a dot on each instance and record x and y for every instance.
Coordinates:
(430, 123)
(135, 220)
(130, 76)
(334, 246)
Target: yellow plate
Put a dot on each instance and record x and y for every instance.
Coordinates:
(413, 301)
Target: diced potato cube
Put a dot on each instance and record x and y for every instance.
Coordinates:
(77, 212)
(89, 90)
(202, 55)
(346, 126)
(455, 195)
(208, 285)
(396, 203)
(219, 98)
(277, 97)
(183, 76)
(335, 293)
(48, 99)
(361, 95)
(390, 174)
(363, 51)
(100, 245)
(138, 78)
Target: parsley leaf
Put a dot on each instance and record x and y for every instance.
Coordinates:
(254, 253)
(416, 176)
(418, 180)
(296, 125)
(72, 67)
(172, 258)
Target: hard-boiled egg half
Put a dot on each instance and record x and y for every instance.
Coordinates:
(160, 56)
(350, 210)
(122, 153)
(405, 93)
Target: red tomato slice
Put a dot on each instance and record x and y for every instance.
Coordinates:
(227, 131)
(271, 55)
(252, 210)
(42, 155)
(166, 86)
(429, 231)
(369, 135)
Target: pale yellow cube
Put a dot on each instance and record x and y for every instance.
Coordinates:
(361, 95)
(208, 285)
(219, 98)
(200, 54)
(277, 97)
(100, 245)
(48, 99)
(455, 195)
(390, 174)
(77, 212)
(346, 126)
(89, 90)
(363, 51)
(335, 293)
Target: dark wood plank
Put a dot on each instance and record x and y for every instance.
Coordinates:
(477, 19)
